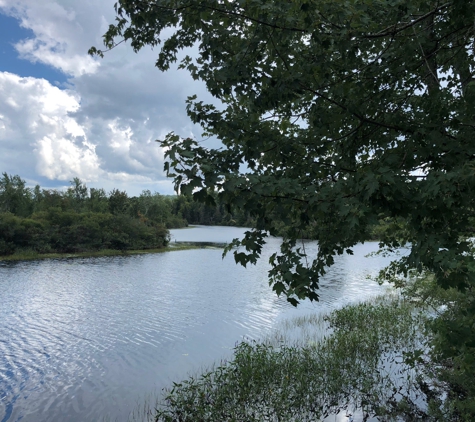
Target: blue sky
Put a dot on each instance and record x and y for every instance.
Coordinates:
(64, 114)
(11, 32)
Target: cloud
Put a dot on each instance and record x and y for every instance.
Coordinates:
(38, 133)
(63, 143)
(60, 158)
(62, 35)
(101, 127)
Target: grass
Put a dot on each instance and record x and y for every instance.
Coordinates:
(349, 360)
(32, 255)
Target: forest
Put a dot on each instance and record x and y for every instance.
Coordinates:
(82, 219)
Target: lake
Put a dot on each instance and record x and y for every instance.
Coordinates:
(87, 338)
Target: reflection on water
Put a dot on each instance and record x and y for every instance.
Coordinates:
(83, 338)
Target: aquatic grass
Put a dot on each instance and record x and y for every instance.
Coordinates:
(28, 254)
(145, 409)
(312, 328)
(299, 331)
(357, 365)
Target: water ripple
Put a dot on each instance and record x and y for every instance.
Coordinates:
(89, 337)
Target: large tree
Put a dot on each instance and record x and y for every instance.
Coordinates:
(332, 115)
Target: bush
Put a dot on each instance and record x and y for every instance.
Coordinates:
(70, 232)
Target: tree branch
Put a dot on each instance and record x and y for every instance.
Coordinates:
(387, 31)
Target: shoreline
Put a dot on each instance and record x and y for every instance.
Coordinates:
(32, 256)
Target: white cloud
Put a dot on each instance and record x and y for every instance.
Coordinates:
(61, 158)
(49, 52)
(37, 119)
(62, 35)
(102, 128)
(43, 131)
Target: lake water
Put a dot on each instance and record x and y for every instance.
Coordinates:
(85, 338)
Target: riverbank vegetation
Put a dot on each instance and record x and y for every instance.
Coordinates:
(41, 222)
(29, 254)
(77, 220)
(379, 358)
(357, 366)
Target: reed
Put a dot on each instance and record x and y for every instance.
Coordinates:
(351, 359)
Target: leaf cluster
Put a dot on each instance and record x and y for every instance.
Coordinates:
(332, 115)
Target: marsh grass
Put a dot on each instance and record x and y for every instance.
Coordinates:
(351, 359)
(29, 254)
(300, 331)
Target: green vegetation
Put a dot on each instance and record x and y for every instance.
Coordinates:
(452, 347)
(195, 212)
(39, 221)
(27, 255)
(375, 359)
(333, 116)
(349, 360)
(44, 223)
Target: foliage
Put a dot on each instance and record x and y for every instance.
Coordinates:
(60, 231)
(195, 212)
(82, 219)
(15, 197)
(455, 351)
(341, 112)
(333, 115)
(357, 366)
(453, 346)
(79, 219)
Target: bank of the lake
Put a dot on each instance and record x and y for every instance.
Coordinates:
(32, 255)
(318, 367)
(174, 245)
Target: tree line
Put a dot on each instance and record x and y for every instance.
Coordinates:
(81, 219)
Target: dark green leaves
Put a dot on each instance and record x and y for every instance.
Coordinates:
(333, 116)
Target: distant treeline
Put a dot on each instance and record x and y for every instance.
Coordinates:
(82, 219)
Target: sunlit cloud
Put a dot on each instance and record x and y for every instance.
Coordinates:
(102, 124)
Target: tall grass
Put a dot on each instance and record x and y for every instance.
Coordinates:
(351, 359)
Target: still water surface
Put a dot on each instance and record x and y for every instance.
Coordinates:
(85, 338)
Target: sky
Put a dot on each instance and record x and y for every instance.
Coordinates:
(64, 114)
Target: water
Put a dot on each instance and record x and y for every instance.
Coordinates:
(81, 339)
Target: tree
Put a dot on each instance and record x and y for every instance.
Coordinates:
(15, 197)
(77, 193)
(118, 201)
(342, 113)
(51, 198)
(98, 201)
